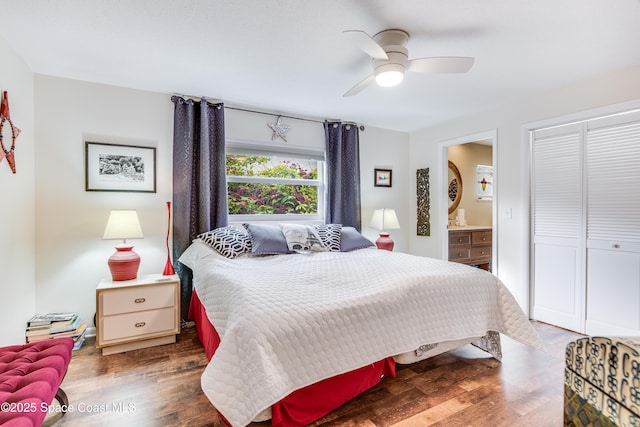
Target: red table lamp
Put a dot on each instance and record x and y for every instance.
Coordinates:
(124, 263)
(384, 219)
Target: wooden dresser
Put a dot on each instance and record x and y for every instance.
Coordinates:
(471, 245)
(137, 313)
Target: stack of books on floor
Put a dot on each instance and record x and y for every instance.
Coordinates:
(56, 325)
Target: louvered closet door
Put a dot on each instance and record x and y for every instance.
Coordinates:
(613, 225)
(558, 236)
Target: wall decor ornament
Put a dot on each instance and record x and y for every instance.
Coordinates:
(279, 129)
(484, 182)
(422, 189)
(5, 117)
(382, 177)
(454, 188)
(112, 167)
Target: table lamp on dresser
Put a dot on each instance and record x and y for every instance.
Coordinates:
(124, 263)
(384, 219)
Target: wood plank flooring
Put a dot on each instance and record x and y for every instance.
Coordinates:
(160, 386)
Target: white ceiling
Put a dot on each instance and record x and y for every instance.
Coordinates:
(290, 56)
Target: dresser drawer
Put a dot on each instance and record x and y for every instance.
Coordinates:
(459, 238)
(135, 325)
(481, 237)
(481, 253)
(459, 254)
(138, 298)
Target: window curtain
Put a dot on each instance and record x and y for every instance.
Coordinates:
(343, 174)
(199, 179)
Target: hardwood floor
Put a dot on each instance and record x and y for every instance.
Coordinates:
(160, 386)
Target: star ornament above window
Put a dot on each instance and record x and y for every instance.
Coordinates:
(279, 129)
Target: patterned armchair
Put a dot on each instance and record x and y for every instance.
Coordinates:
(602, 382)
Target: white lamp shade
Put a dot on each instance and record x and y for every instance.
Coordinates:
(384, 219)
(123, 224)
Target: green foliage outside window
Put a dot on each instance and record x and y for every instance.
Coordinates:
(266, 198)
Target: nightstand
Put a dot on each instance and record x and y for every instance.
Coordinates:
(138, 313)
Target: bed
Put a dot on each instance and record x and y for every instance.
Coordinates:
(312, 325)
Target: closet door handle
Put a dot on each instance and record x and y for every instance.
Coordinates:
(616, 246)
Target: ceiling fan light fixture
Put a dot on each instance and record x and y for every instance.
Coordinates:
(389, 75)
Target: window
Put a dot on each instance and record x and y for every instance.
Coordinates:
(274, 184)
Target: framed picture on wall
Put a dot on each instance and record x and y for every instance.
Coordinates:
(382, 178)
(484, 182)
(112, 167)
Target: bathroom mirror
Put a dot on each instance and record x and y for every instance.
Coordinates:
(454, 187)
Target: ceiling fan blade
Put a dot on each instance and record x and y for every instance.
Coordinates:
(360, 86)
(368, 45)
(441, 64)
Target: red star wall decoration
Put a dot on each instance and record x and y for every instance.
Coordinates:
(5, 117)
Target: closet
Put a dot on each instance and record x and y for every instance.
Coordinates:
(585, 187)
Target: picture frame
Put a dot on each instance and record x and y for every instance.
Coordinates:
(382, 177)
(484, 182)
(114, 167)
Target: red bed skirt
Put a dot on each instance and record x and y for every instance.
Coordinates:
(310, 403)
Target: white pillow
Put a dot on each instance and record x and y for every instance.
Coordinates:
(197, 250)
(302, 238)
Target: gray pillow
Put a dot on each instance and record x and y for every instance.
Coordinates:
(351, 239)
(267, 239)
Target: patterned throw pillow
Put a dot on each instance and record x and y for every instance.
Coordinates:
(330, 236)
(227, 241)
(302, 238)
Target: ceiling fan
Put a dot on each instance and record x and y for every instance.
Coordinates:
(389, 58)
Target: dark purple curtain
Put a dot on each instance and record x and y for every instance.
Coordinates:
(199, 179)
(343, 174)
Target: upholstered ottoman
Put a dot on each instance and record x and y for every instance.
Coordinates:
(30, 378)
(602, 382)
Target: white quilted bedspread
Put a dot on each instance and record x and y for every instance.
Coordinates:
(288, 321)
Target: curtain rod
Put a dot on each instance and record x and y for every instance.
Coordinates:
(248, 110)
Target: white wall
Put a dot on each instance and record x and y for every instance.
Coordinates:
(511, 166)
(71, 258)
(384, 149)
(17, 199)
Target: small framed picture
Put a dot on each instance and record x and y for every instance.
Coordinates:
(484, 182)
(112, 167)
(382, 178)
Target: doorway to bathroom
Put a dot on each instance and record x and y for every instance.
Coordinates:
(469, 173)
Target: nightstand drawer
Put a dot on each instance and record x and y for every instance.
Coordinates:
(138, 298)
(135, 325)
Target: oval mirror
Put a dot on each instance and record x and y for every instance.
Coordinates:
(454, 187)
